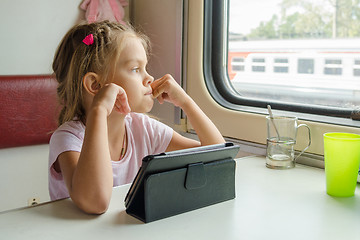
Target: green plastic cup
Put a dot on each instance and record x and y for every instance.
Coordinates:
(342, 159)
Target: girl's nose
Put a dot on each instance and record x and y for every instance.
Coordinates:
(148, 79)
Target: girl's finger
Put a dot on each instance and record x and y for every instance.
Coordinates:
(160, 89)
(160, 99)
(122, 102)
(158, 82)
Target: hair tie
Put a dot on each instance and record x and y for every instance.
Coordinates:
(89, 39)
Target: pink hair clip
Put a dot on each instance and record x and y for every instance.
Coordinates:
(89, 39)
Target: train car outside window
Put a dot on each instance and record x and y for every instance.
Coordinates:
(301, 55)
(356, 70)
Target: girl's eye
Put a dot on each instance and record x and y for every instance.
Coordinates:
(135, 70)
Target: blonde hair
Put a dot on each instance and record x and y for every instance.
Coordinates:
(73, 59)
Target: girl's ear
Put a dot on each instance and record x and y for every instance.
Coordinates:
(91, 83)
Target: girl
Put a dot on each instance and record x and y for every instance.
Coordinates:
(103, 134)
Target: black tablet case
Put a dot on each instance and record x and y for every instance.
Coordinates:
(176, 182)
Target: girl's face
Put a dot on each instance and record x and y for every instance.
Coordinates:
(131, 75)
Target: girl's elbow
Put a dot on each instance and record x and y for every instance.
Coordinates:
(92, 205)
(96, 209)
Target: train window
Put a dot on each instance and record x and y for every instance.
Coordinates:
(281, 65)
(332, 71)
(356, 72)
(357, 67)
(238, 68)
(258, 65)
(281, 69)
(333, 67)
(281, 60)
(333, 61)
(237, 64)
(258, 60)
(258, 68)
(306, 51)
(305, 66)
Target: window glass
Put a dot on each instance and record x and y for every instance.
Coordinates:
(299, 52)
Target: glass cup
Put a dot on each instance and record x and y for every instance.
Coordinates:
(342, 159)
(281, 139)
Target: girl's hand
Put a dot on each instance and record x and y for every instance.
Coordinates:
(110, 97)
(167, 89)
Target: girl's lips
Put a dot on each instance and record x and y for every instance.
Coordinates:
(148, 93)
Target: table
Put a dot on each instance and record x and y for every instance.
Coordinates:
(269, 204)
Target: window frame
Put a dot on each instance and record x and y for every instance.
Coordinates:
(215, 67)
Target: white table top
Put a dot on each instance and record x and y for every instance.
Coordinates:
(269, 204)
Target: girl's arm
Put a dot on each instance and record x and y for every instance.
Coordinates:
(167, 89)
(88, 175)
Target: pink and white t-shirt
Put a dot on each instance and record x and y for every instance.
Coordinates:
(145, 136)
